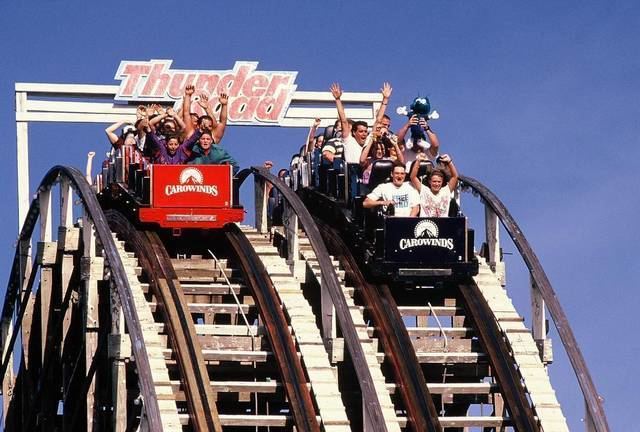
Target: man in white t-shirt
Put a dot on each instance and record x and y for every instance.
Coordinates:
(401, 195)
(435, 199)
(353, 133)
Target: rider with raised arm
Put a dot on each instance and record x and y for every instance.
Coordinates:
(435, 199)
(217, 128)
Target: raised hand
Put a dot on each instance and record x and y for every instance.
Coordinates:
(223, 98)
(203, 101)
(445, 159)
(189, 90)
(157, 109)
(171, 112)
(316, 123)
(141, 111)
(386, 90)
(336, 91)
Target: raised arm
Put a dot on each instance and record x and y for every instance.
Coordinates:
(203, 101)
(431, 135)
(336, 91)
(186, 110)
(162, 114)
(188, 144)
(386, 94)
(413, 120)
(219, 128)
(453, 181)
(396, 147)
(311, 136)
(413, 175)
(364, 155)
(178, 119)
(111, 131)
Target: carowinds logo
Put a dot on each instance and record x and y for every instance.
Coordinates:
(426, 228)
(191, 180)
(426, 234)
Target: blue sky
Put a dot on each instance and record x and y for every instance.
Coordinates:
(538, 100)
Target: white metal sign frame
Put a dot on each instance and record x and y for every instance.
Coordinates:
(84, 103)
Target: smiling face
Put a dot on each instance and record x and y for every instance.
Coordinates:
(435, 183)
(360, 134)
(398, 176)
(172, 145)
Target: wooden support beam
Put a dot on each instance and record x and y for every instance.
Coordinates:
(291, 226)
(261, 203)
(118, 368)
(538, 317)
(92, 271)
(492, 238)
(66, 203)
(44, 198)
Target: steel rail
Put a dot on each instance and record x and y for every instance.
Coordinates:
(156, 263)
(502, 363)
(371, 403)
(270, 309)
(593, 400)
(118, 275)
(398, 348)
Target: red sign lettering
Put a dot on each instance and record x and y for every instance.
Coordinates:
(255, 97)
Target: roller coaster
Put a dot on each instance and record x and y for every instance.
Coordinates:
(144, 314)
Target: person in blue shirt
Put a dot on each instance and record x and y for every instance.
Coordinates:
(205, 151)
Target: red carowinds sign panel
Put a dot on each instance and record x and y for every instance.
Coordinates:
(191, 186)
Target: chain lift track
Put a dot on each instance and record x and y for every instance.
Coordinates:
(28, 402)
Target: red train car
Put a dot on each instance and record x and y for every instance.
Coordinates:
(170, 196)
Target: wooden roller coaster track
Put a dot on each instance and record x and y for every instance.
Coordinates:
(110, 327)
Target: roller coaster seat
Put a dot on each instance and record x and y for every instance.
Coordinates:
(380, 173)
(425, 168)
(329, 132)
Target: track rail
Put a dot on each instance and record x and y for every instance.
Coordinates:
(593, 400)
(504, 367)
(371, 403)
(270, 309)
(421, 410)
(155, 261)
(90, 203)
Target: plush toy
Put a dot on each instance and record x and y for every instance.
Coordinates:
(420, 107)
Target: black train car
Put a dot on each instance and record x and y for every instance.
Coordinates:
(393, 248)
